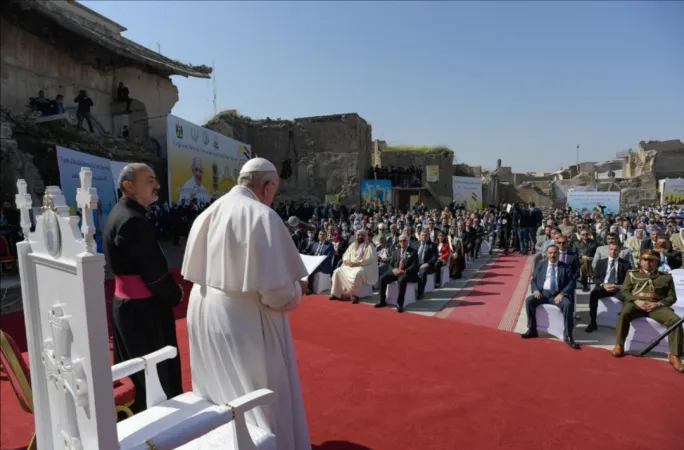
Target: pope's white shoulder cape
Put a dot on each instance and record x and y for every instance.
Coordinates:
(239, 244)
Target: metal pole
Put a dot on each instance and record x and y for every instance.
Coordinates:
(657, 340)
(578, 158)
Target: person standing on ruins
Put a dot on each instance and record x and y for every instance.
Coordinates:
(145, 291)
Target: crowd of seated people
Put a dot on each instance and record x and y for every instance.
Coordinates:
(628, 256)
(407, 177)
(385, 245)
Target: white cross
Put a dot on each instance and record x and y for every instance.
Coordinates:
(86, 200)
(24, 205)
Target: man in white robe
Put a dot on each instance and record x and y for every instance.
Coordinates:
(359, 266)
(247, 275)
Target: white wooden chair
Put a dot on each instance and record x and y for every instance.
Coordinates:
(643, 330)
(393, 292)
(62, 286)
(188, 421)
(550, 320)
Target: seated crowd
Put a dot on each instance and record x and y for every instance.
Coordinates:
(628, 257)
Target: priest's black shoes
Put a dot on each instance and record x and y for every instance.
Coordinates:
(571, 343)
(380, 305)
(529, 334)
(400, 308)
(591, 328)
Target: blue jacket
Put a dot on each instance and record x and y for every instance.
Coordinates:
(327, 250)
(565, 278)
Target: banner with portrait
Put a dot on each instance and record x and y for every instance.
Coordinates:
(579, 201)
(414, 200)
(375, 193)
(203, 164)
(671, 190)
(467, 191)
(332, 199)
(432, 173)
(69, 163)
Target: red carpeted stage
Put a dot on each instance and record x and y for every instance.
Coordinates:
(375, 379)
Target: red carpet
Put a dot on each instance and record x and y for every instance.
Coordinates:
(490, 294)
(375, 379)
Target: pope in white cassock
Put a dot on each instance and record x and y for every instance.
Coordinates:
(359, 266)
(247, 275)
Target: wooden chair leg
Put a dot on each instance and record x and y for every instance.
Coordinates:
(32, 444)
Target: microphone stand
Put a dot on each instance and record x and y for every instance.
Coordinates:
(657, 340)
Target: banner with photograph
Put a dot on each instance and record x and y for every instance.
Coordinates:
(375, 193)
(203, 164)
(672, 190)
(467, 191)
(579, 201)
(414, 200)
(332, 199)
(432, 173)
(69, 163)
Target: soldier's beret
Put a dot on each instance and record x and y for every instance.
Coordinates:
(650, 254)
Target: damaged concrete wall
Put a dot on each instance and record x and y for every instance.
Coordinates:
(443, 158)
(327, 154)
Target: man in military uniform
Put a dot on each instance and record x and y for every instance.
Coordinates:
(649, 293)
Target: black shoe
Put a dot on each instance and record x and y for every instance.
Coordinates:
(309, 291)
(591, 327)
(400, 309)
(355, 299)
(380, 304)
(529, 334)
(585, 288)
(571, 343)
(332, 297)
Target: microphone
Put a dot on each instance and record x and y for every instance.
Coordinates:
(294, 222)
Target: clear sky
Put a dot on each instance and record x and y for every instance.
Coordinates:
(522, 81)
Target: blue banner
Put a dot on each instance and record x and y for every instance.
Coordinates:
(375, 193)
(69, 163)
(580, 201)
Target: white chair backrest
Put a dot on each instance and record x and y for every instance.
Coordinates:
(678, 277)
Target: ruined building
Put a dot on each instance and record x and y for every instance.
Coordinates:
(316, 156)
(61, 48)
(662, 159)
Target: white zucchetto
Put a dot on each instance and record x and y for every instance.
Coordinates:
(258, 165)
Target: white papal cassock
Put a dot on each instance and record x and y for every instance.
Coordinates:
(246, 271)
(349, 279)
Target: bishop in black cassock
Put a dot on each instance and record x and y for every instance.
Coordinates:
(145, 292)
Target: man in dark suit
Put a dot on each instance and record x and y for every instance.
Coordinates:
(427, 257)
(673, 258)
(552, 284)
(404, 270)
(609, 275)
(320, 248)
(648, 244)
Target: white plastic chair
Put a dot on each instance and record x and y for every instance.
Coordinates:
(393, 292)
(550, 320)
(322, 282)
(607, 312)
(444, 276)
